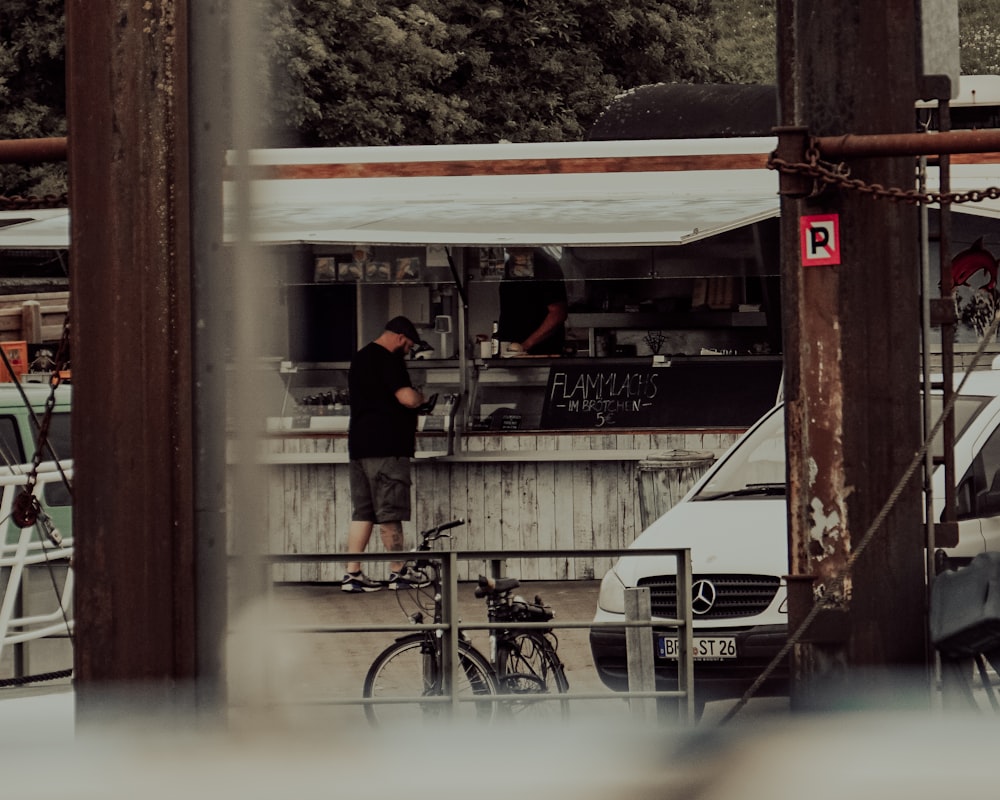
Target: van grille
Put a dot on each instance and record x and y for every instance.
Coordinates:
(735, 595)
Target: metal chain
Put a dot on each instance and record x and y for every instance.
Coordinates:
(825, 173)
(26, 509)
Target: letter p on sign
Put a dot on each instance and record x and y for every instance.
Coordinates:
(820, 239)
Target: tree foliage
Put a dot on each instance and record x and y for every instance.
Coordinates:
(368, 72)
(748, 45)
(32, 88)
(376, 72)
(979, 36)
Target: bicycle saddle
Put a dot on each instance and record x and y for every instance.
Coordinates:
(488, 586)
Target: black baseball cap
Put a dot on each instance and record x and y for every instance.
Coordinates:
(408, 329)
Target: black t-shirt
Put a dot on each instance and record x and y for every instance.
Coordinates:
(380, 425)
(524, 303)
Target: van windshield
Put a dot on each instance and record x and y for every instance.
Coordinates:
(756, 468)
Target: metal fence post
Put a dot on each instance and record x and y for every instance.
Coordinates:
(639, 652)
(685, 638)
(449, 611)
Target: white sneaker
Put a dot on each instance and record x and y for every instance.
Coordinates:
(358, 582)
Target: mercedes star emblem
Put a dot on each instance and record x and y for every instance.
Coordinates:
(702, 597)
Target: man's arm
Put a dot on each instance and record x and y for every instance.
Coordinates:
(409, 397)
(555, 317)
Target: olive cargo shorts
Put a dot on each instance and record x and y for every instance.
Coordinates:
(380, 489)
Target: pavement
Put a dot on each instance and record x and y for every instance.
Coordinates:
(312, 665)
(292, 665)
(314, 673)
(291, 674)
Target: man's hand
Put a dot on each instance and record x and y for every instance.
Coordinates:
(428, 406)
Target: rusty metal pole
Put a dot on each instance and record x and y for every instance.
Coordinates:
(130, 279)
(851, 351)
(32, 151)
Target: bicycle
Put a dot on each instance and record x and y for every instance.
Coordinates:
(410, 677)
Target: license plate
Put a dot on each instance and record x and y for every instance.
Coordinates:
(705, 648)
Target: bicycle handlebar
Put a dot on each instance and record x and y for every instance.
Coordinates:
(438, 531)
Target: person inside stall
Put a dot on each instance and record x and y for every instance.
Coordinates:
(533, 305)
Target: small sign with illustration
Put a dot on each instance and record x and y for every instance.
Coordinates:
(491, 261)
(407, 269)
(15, 357)
(325, 269)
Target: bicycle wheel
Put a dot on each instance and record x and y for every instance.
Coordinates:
(411, 668)
(527, 666)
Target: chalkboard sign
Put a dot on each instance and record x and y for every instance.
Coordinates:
(687, 393)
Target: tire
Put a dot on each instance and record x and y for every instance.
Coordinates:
(527, 665)
(410, 667)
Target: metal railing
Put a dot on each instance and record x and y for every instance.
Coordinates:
(21, 548)
(638, 622)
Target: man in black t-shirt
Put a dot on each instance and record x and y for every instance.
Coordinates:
(381, 440)
(533, 305)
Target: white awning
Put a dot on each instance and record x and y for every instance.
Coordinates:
(647, 210)
(656, 192)
(34, 229)
(601, 193)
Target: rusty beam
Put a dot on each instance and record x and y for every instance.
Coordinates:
(130, 279)
(852, 419)
(33, 151)
(851, 145)
(506, 166)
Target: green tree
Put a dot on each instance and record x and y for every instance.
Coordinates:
(364, 72)
(360, 72)
(979, 36)
(748, 44)
(32, 88)
(747, 47)
(544, 71)
(375, 72)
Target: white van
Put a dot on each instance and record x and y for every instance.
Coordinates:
(734, 522)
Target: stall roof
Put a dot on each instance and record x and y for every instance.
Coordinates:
(648, 192)
(34, 229)
(580, 193)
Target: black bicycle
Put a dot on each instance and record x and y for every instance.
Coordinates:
(409, 679)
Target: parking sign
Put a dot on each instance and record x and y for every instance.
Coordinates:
(819, 236)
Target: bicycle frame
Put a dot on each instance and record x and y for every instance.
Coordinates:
(446, 637)
(523, 666)
(532, 651)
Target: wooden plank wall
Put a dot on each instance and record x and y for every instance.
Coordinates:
(571, 503)
(33, 317)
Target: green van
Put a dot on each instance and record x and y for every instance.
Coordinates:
(22, 410)
(36, 583)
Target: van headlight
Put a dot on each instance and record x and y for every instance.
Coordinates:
(611, 597)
